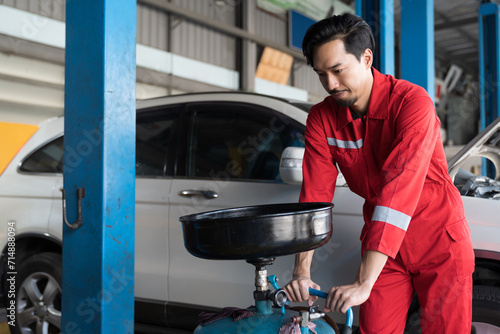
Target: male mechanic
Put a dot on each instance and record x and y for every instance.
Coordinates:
(384, 136)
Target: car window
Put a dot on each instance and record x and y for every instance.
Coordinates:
(46, 159)
(154, 141)
(155, 144)
(239, 141)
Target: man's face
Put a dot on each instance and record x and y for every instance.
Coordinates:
(342, 75)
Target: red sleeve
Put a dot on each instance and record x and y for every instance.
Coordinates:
(403, 175)
(318, 167)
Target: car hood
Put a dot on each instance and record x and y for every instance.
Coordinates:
(486, 145)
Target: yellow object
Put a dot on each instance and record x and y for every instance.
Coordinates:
(12, 138)
(274, 66)
(4, 328)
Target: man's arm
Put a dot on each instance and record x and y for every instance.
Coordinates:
(320, 175)
(340, 298)
(403, 174)
(298, 288)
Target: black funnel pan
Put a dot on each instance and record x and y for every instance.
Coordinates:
(261, 231)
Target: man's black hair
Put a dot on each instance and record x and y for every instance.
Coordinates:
(351, 29)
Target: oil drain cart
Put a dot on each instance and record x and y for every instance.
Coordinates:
(259, 234)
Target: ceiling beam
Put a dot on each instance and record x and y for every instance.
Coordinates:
(455, 24)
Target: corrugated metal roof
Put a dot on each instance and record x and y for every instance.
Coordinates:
(456, 33)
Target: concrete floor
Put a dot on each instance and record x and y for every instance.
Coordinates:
(140, 329)
(144, 329)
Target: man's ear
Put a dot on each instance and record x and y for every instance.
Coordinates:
(367, 58)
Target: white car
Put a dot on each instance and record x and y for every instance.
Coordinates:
(203, 152)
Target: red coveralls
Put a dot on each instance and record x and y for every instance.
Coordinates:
(393, 158)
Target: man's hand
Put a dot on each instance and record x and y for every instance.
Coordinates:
(297, 289)
(340, 298)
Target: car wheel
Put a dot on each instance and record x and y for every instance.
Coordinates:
(485, 309)
(38, 295)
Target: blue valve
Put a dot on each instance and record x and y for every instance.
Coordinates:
(349, 315)
(273, 279)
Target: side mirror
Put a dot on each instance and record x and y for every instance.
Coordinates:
(291, 165)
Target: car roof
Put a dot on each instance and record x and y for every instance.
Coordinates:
(214, 96)
(228, 93)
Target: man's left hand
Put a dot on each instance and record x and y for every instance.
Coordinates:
(341, 298)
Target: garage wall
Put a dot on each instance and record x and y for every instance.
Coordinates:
(195, 41)
(170, 43)
(161, 30)
(152, 27)
(273, 27)
(305, 78)
(55, 9)
(199, 42)
(30, 90)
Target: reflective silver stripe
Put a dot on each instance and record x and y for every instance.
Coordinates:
(345, 143)
(391, 216)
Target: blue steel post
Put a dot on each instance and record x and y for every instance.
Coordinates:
(482, 70)
(489, 69)
(489, 62)
(417, 43)
(379, 15)
(98, 257)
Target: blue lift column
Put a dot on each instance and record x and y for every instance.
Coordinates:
(379, 15)
(99, 167)
(489, 62)
(489, 69)
(417, 43)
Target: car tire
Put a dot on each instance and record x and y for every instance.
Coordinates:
(38, 295)
(485, 307)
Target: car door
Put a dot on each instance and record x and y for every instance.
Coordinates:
(156, 143)
(232, 159)
(31, 188)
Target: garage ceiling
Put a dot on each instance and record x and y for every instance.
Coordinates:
(456, 32)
